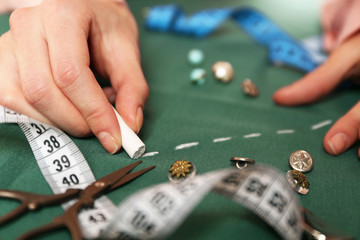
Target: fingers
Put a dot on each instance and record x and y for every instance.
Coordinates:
(130, 102)
(70, 61)
(38, 87)
(53, 65)
(324, 79)
(131, 87)
(11, 95)
(344, 133)
(120, 61)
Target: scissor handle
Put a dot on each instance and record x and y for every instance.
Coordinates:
(17, 196)
(17, 212)
(32, 201)
(71, 224)
(68, 220)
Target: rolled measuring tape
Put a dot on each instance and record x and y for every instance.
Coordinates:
(156, 212)
(282, 48)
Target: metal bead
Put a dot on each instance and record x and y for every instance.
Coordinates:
(198, 76)
(223, 71)
(195, 57)
(249, 88)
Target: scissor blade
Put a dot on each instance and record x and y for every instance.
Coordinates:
(127, 178)
(114, 177)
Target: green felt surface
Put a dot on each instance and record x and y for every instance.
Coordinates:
(178, 112)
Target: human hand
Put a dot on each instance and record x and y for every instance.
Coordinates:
(344, 62)
(45, 73)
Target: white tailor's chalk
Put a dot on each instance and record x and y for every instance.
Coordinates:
(131, 143)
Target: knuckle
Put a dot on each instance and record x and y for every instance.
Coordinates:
(56, 5)
(59, 8)
(66, 73)
(36, 91)
(17, 18)
(8, 100)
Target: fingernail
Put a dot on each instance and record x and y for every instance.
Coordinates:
(108, 142)
(338, 143)
(139, 118)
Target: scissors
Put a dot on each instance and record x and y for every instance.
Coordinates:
(86, 198)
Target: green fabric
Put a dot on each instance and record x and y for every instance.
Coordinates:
(178, 112)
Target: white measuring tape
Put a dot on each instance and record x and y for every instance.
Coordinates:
(157, 211)
(63, 167)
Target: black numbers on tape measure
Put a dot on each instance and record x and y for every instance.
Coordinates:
(278, 201)
(186, 188)
(141, 222)
(256, 186)
(12, 113)
(51, 143)
(97, 217)
(40, 129)
(232, 179)
(124, 236)
(62, 163)
(162, 202)
(292, 220)
(71, 180)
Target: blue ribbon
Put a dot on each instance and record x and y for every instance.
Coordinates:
(282, 48)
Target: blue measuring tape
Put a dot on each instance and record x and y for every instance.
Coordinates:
(282, 48)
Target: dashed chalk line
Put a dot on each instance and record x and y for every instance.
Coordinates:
(222, 139)
(149, 154)
(321, 124)
(186, 145)
(285, 131)
(252, 135)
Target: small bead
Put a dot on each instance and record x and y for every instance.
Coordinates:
(223, 71)
(249, 88)
(198, 76)
(195, 57)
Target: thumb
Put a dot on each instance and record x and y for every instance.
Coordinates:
(324, 79)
